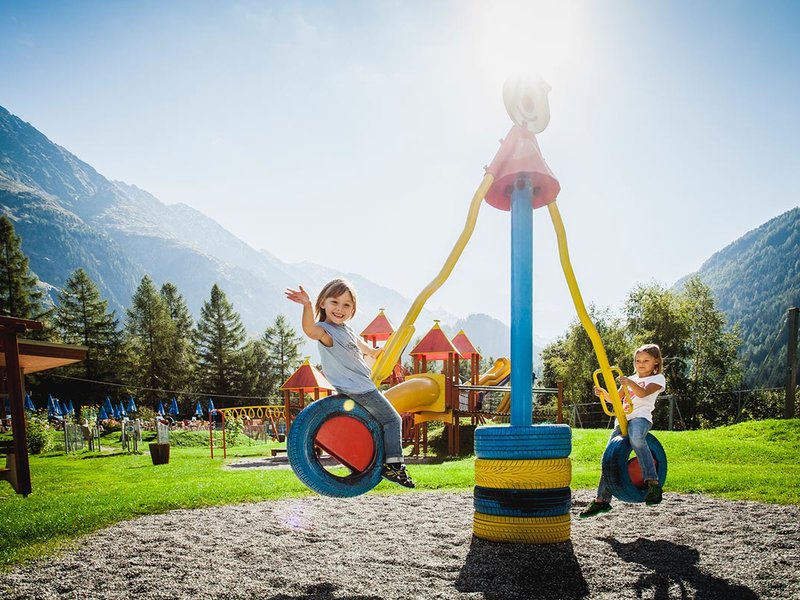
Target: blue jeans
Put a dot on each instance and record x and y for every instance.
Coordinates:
(380, 408)
(637, 435)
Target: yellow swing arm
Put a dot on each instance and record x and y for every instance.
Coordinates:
(607, 370)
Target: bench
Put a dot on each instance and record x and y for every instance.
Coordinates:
(9, 473)
(275, 451)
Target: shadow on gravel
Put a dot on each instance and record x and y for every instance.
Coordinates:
(674, 565)
(522, 571)
(320, 591)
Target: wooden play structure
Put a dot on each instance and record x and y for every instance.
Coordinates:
(19, 357)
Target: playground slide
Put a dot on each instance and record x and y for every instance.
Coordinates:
(422, 395)
(500, 370)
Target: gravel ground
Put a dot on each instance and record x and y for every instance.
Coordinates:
(420, 545)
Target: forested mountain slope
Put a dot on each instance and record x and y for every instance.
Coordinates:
(755, 280)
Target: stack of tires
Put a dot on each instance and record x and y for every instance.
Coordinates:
(522, 479)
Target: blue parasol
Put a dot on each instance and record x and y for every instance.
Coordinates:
(198, 409)
(70, 408)
(109, 408)
(29, 403)
(160, 409)
(53, 410)
(131, 405)
(211, 408)
(102, 415)
(122, 412)
(173, 408)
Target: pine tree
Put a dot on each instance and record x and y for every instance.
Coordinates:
(218, 338)
(82, 318)
(283, 350)
(19, 294)
(150, 334)
(182, 354)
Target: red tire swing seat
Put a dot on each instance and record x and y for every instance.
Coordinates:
(349, 434)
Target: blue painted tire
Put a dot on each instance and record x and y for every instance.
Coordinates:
(615, 467)
(549, 502)
(534, 442)
(306, 464)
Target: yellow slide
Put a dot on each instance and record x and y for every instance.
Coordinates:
(422, 395)
(499, 371)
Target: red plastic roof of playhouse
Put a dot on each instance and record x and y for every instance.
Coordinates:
(464, 346)
(435, 345)
(307, 377)
(380, 328)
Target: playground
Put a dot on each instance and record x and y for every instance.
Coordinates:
(420, 545)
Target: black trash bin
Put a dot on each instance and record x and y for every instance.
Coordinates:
(159, 453)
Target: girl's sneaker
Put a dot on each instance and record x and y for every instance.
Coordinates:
(396, 473)
(654, 494)
(595, 508)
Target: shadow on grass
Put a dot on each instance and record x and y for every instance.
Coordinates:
(674, 565)
(522, 571)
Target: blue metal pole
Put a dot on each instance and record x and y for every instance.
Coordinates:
(521, 302)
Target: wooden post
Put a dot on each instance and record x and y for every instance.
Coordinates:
(14, 390)
(560, 402)
(791, 359)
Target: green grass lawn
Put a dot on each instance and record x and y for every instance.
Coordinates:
(76, 494)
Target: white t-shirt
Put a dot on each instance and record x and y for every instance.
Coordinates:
(643, 407)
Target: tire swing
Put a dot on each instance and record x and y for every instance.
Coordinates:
(623, 475)
(349, 434)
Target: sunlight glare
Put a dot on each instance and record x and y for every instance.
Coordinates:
(527, 37)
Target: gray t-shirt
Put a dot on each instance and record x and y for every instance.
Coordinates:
(343, 364)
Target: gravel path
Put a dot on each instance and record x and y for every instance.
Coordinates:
(420, 545)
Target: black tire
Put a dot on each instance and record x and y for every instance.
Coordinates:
(549, 502)
(306, 464)
(615, 467)
(534, 442)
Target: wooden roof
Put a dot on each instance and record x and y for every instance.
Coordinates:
(379, 328)
(464, 345)
(435, 345)
(39, 356)
(306, 377)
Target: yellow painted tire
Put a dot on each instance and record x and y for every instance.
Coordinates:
(523, 474)
(522, 530)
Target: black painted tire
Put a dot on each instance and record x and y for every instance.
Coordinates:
(548, 502)
(615, 467)
(306, 464)
(534, 442)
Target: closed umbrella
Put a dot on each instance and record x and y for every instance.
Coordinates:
(198, 409)
(62, 406)
(29, 403)
(173, 408)
(131, 405)
(160, 409)
(122, 412)
(70, 408)
(102, 415)
(109, 408)
(211, 408)
(53, 410)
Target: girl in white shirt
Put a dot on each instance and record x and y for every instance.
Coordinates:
(644, 387)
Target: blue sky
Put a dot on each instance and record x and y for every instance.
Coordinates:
(353, 134)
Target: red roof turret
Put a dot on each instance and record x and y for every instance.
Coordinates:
(308, 378)
(435, 345)
(379, 329)
(464, 346)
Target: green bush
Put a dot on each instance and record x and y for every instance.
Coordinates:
(38, 436)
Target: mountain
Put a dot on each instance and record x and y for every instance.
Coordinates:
(69, 216)
(755, 280)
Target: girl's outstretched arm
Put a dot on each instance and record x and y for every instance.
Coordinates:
(310, 327)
